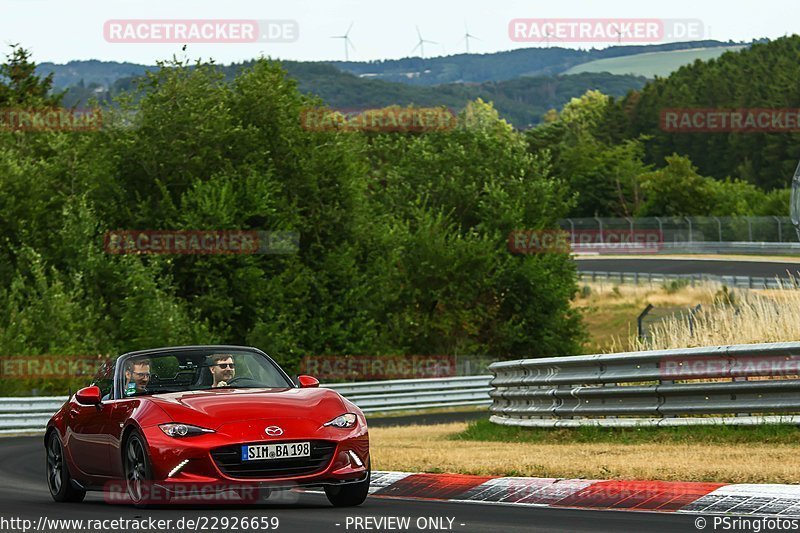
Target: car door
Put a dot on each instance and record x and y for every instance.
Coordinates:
(88, 436)
(121, 411)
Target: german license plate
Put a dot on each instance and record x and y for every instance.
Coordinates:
(265, 452)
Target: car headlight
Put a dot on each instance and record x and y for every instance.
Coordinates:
(183, 430)
(346, 420)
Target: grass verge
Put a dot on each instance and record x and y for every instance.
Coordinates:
(731, 455)
(483, 430)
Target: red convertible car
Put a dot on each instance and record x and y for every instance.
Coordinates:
(169, 423)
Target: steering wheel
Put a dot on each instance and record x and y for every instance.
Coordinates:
(241, 381)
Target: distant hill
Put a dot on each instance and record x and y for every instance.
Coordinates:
(91, 73)
(501, 66)
(652, 64)
(522, 101)
(461, 68)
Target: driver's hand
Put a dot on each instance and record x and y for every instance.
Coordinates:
(222, 384)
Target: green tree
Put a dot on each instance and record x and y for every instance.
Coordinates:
(19, 84)
(676, 190)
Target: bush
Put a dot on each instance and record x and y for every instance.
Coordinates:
(675, 285)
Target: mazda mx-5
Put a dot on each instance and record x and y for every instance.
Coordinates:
(168, 423)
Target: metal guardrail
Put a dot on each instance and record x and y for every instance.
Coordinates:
(770, 229)
(412, 394)
(678, 235)
(654, 388)
(27, 414)
(684, 247)
(31, 414)
(742, 282)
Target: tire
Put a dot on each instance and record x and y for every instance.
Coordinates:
(349, 495)
(137, 469)
(58, 479)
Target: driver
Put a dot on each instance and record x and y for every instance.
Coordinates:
(137, 376)
(222, 368)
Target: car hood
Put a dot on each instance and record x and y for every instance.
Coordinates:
(215, 407)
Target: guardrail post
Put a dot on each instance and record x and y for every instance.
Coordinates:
(600, 226)
(692, 312)
(780, 233)
(630, 222)
(691, 239)
(741, 378)
(750, 229)
(639, 320)
(719, 228)
(661, 398)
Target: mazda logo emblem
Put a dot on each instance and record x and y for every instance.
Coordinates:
(274, 431)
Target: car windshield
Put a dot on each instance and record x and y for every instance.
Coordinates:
(195, 370)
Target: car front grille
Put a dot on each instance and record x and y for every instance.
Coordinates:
(229, 461)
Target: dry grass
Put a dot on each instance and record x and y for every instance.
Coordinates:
(734, 317)
(430, 449)
(614, 294)
(609, 311)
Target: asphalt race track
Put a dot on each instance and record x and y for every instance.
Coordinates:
(718, 267)
(24, 495)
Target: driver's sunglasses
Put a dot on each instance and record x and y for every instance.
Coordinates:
(226, 365)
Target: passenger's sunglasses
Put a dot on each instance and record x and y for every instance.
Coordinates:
(226, 365)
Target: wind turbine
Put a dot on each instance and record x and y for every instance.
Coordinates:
(421, 44)
(347, 42)
(468, 36)
(547, 35)
(619, 33)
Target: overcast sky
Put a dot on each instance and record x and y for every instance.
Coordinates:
(62, 30)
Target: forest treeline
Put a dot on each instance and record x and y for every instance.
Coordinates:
(614, 153)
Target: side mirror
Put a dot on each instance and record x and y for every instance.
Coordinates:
(308, 381)
(89, 395)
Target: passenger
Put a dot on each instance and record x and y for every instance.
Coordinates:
(222, 368)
